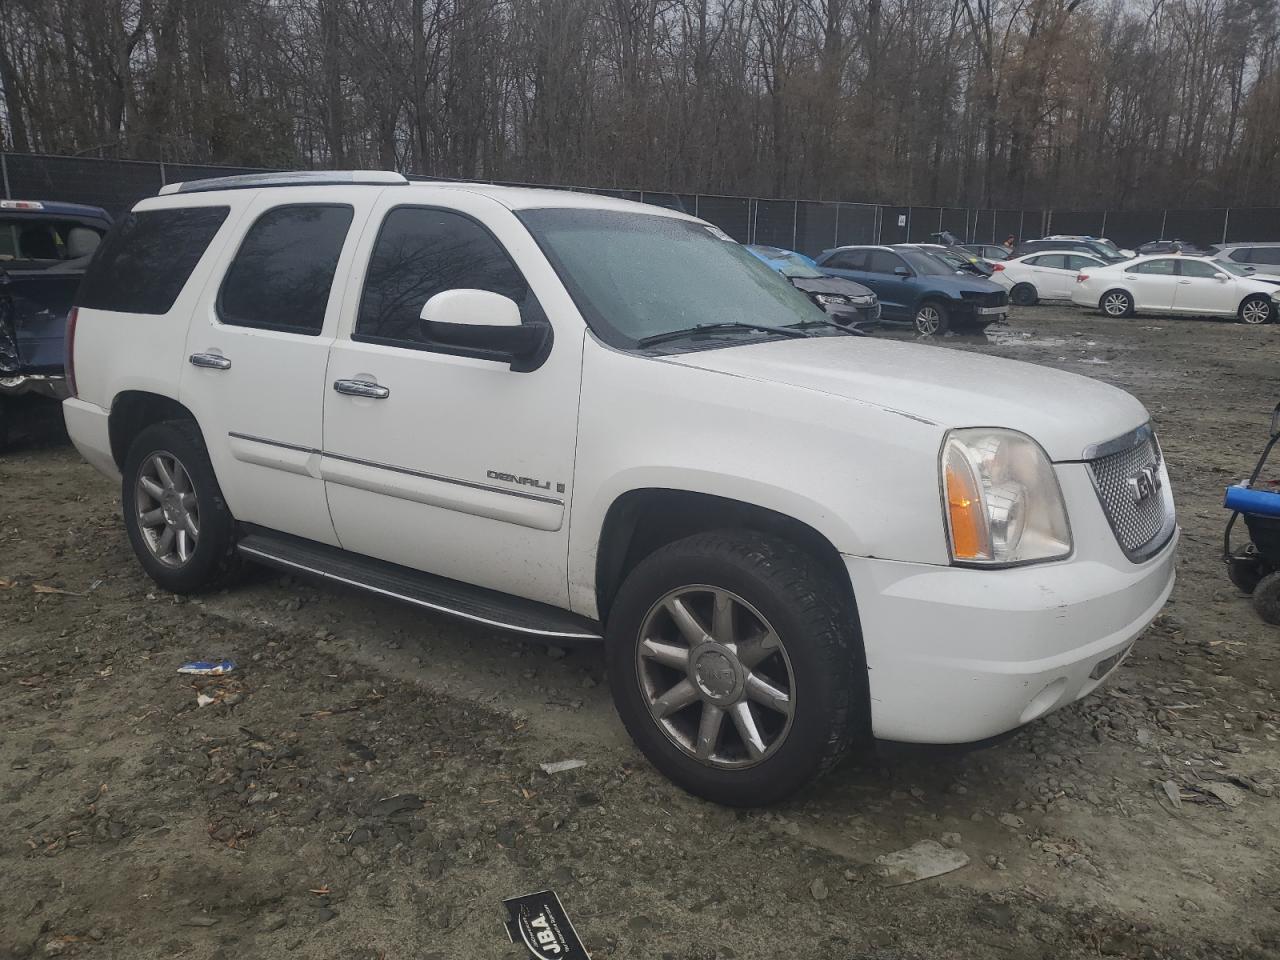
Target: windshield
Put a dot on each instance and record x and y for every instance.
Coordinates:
(926, 264)
(794, 265)
(634, 275)
(1239, 269)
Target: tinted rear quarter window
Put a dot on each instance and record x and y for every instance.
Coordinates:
(1268, 255)
(282, 273)
(147, 259)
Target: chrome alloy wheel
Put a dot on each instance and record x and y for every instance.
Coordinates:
(705, 657)
(1115, 305)
(928, 319)
(168, 512)
(1255, 312)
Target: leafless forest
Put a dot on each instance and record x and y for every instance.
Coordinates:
(1069, 103)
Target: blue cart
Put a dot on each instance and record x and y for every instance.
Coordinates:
(1256, 568)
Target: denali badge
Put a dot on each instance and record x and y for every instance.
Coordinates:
(524, 481)
(1144, 483)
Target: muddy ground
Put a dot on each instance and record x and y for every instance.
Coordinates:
(138, 824)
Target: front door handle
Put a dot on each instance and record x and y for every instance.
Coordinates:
(362, 388)
(210, 361)
(1184, 281)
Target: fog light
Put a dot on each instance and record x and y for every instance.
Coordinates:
(1103, 667)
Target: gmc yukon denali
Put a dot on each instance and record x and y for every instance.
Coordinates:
(579, 418)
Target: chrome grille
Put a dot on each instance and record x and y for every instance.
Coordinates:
(1136, 523)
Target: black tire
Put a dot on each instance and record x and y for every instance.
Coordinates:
(4, 424)
(1024, 295)
(1257, 310)
(1245, 571)
(931, 318)
(1116, 304)
(1266, 598)
(213, 562)
(818, 629)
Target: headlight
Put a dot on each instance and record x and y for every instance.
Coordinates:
(830, 298)
(864, 301)
(1004, 505)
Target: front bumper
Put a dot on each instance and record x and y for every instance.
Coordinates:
(853, 315)
(958, 654)
(49, 385)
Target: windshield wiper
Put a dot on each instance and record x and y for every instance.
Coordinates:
(851, 331)
(711, 327)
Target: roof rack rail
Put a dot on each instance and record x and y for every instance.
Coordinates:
(289, 178)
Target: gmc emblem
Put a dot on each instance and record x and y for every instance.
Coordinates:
(1144, 483)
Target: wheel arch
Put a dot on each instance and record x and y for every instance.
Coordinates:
(642, 520)
(132, 411)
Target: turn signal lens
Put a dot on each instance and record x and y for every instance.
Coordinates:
(1004, 503)
(966, 512)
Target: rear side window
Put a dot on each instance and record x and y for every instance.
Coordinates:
(422, 251)
(282, 273)
(1266, 255)
(847, 260)
(147, 259)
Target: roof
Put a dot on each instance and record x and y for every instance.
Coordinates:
(55, 208)
(513, 198)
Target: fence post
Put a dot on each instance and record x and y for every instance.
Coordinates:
(1104, 224)
(835, 234)
(795, 221)
(1164, 218)
(163, 178)
(1226, 214)
(4, 166)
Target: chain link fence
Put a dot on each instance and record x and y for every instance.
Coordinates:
(806, 225)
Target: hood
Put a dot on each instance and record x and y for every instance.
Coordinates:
(1064, 412)
(833, 285)
(963, 282)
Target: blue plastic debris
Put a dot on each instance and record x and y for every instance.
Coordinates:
(208, 668)
(1247, 500)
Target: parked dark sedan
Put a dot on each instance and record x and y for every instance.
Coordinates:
(1091, 247)
(1182, 247)
(917, 288)
(847, 303)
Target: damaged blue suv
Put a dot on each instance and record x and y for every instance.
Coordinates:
(917, 288)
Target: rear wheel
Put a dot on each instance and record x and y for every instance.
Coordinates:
(1024, 295)
(1245, 571)
(180, 527)
(1266, 598)
(1256, 310)
(1116, 303)
(932, 317)
(736, 665)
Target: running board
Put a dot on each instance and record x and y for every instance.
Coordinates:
(476, 604)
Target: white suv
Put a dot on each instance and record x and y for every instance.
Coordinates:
(580, 418)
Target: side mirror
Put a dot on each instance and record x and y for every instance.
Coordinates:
(1221, 276)
(1275, 421)
(483, 324)
(903, 272)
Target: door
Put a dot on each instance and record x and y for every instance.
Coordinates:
(440, 459)
(896, 290)
(1076, 263)
(1048, 271)
(1201, 290)
(1153, 283)
(256, 357)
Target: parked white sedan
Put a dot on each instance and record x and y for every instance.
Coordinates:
(1197, 286)
(1042, 276)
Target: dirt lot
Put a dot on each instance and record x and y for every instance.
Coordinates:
(138, 824)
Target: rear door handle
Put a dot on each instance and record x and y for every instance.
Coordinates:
(362, 388)
(210, 361)
(1184, 281)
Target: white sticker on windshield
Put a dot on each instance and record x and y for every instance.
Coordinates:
(719, 234)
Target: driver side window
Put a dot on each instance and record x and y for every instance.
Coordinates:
(1164, 267)
(882, 261)
(422, 251)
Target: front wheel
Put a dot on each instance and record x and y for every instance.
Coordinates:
(931, 318)
(1116, 303)
(1256, 310)
(180, 527)
(736, 665)
(1266, 598)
